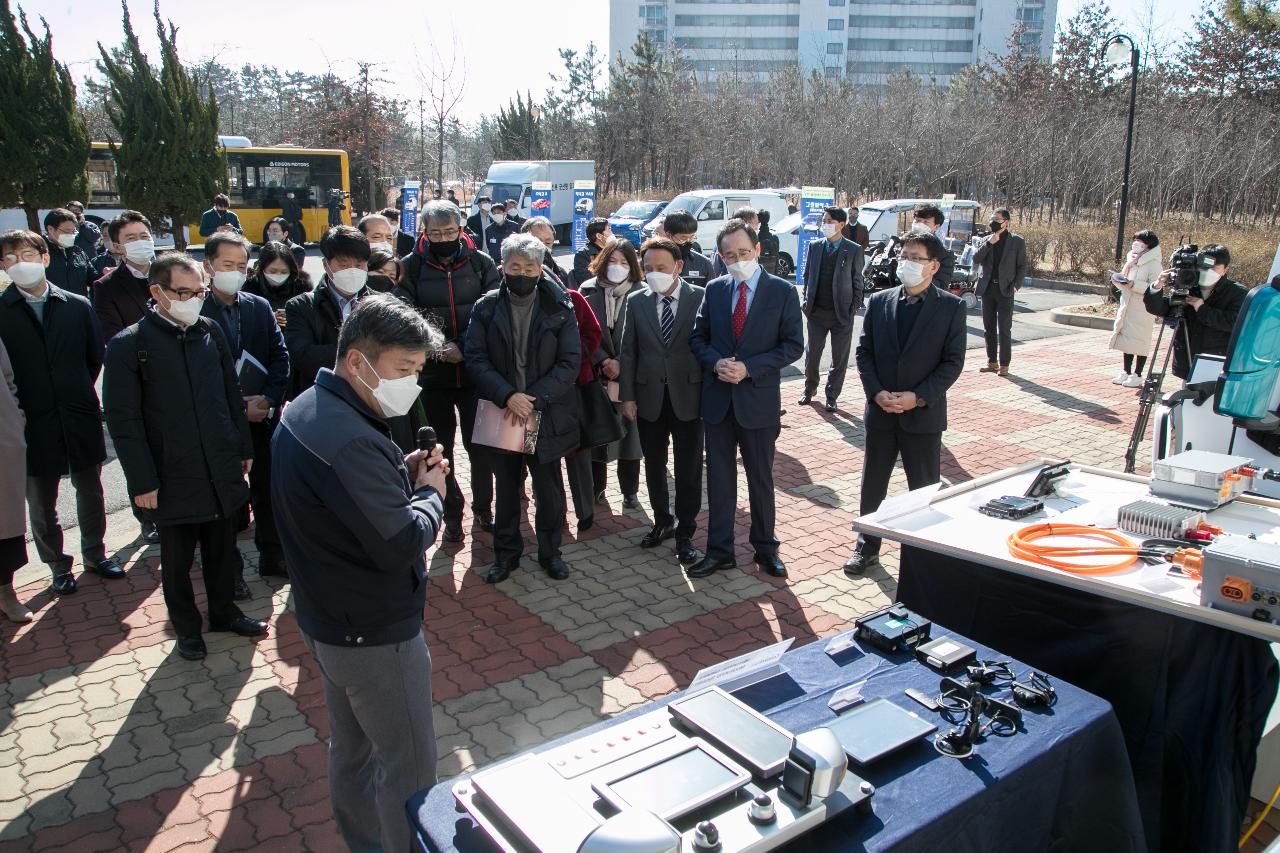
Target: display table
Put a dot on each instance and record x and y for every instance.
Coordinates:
(1055, 785)
(1191, 686)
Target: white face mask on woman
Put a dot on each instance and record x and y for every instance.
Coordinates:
(617, 273)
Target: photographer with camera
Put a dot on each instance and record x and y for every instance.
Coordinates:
(1197, 290)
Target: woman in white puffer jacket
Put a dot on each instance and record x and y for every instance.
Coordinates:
(1134, 324)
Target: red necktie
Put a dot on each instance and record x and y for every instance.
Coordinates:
(740, 311)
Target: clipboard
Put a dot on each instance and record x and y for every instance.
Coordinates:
(251, 374)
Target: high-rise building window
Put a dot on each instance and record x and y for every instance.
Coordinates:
(835, 23)
(835, 2)
(737, 20)
(835, 47)
(910, 22)
(908, 44)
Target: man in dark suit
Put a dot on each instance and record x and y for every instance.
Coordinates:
(70, 269)
(312, 319)
(832, 295)
(56, 351)
(1003, 259)
(930, 218)
(752, 220)
(120, 299)
(856, 231)
(479, 221)
(747, 329)
(911, 352)
(250, 327)
(661, 390)
(682, 229)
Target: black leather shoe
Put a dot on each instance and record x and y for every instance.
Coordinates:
(149, 533)
(64, 583)
(192, 648)
(274, 569)
(771, 565)
(708, 566)
(659, 534)
(484, 520)
(242, 625)
(859, 563)
(631, 502)
(108, 568)
(452, 532)
(242, 591)
(686, 553)
(586, 523)
(831, 407)
(500, 571)
(805, 399)
(556, 568)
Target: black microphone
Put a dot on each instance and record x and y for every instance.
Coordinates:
(426, 438)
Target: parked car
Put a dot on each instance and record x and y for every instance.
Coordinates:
(629, 220)
(712, 208)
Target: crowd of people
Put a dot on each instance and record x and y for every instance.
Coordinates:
(236, 390)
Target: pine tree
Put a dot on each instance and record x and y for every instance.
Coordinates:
(169, 164)
(44, 143)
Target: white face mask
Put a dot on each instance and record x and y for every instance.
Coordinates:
(228, 282)
(395, 396)
(617, 273)
(743, 270)
(186, 312)
(66, 241)
(385, 247)
(27, 274)
(659, 282)
(277, 278)
(498, 218)
(828, 229)
(910, 273)
(141, 251)
(348, 282)
(1208, 278)
(275, 236)
(1137, 247)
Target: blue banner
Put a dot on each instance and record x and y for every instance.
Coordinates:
(584, 208)
(540, 199)
(409, 211)
(813, 203)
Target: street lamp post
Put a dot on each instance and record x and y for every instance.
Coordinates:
(1113, 57)
(535, 112)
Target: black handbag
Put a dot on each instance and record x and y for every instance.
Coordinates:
(598, 421)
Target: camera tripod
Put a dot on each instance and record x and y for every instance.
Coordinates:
(1151, 384)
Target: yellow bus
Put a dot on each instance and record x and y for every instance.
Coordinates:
(257, 181)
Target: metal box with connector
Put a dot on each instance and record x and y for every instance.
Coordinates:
(1200, 479)
(1242, 575)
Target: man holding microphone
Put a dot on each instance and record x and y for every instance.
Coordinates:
(355, 517)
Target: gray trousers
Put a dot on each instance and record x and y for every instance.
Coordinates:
(822, 321)
(91, 516)
(382, 740)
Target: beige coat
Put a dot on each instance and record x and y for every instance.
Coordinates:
(1134, 324)
(13, 455)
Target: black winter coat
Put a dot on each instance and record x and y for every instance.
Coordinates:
(1208, 328)
(278, 297)
(311, 328)
(55, 366)
(70, 269)
(445, 294)
(551, 366)
(177, 419)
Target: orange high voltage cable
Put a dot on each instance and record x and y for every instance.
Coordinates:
(1022, 543)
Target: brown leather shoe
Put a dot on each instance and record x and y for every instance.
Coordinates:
(1004, 371)
(991, 367)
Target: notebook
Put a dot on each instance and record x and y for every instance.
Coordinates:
(493, 429)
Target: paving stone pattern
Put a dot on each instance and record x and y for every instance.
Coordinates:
(110, 741)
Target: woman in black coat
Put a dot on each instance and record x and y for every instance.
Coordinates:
(277, 277)
(278, 231)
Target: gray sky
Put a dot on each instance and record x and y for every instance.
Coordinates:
(312, 35)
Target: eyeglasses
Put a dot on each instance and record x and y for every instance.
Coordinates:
(444, 235)
(184, 295)
(919, 259)
(740, 255)
(27, 256)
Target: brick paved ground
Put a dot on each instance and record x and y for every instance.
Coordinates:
(110, 741)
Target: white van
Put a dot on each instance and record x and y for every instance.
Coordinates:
(892, 216)
(712, 208)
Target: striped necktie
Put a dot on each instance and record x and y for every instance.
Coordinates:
(668, 319)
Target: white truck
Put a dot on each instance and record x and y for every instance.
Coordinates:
(514, 179)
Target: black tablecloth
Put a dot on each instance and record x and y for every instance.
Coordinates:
(1192, 699)
(1060, 785)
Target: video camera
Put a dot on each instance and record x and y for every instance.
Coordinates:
(1184, 274)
